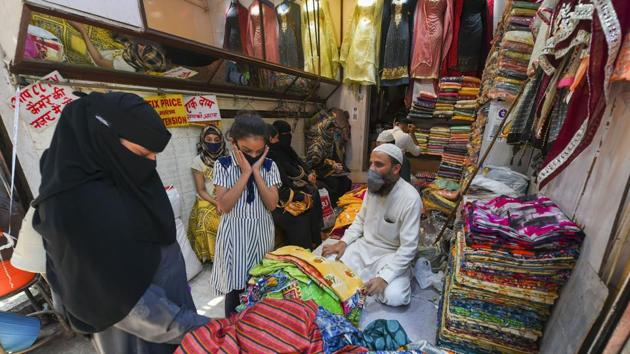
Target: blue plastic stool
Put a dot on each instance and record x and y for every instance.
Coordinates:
(17, 332)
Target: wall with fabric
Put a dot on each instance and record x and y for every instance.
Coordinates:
(591, 191)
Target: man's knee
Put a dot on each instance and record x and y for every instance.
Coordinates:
(398, 293)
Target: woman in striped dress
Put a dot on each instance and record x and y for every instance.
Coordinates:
(246, 187)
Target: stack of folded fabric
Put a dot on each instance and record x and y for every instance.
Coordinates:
(465, 108)
(515, 50)
(447, 97)
(454, 156)
(521, 15)
(507, 270)
(424, 179)
(295, 273)
(438, 139)
(423, 106)
(422, 135)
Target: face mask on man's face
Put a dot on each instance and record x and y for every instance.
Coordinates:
(375, 181)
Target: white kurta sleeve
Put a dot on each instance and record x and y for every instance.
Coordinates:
(411, 147)
(356, 229)
(409, 237)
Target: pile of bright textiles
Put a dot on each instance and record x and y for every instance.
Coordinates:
(422, 135)
(350, 203)
(515, 52)
(454, 156)
(423, 106)
(506, 272)
(438, 138)
(292, 272)
(424, 179)
(441, 195)
(292, 326)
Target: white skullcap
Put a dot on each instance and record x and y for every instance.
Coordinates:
(385, 136)
(391, 150)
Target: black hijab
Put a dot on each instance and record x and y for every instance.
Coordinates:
(102, 210)
(289, 163)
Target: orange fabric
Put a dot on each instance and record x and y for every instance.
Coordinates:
(18, 278)
(622, 68)
(581, 72)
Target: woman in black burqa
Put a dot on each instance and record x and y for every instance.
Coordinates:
(108, 227)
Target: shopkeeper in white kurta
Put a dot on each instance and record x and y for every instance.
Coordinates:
(382, 242)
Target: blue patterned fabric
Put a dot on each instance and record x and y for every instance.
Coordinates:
(384, 335)
(337, 331)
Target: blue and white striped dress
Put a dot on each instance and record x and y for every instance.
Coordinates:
(246, 233)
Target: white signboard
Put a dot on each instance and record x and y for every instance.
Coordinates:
(202, 109)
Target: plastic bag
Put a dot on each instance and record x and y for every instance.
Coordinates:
(512, 179)
(193, 266)
(425, 277)
(176, 201)
(328, 213)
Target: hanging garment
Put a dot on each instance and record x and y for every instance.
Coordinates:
(321, 54)
(590, 97)
(255, 25)
(360, 44)
(396, 42)
(235, 27)
(432, 37)
(471, 33)
(290, 34)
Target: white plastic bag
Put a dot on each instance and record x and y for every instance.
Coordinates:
(328, 213)
(425, 277)
(175, 199)
(193, 266)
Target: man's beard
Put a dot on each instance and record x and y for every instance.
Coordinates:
(387, 186)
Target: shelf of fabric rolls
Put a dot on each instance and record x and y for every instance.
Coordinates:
(174, 63)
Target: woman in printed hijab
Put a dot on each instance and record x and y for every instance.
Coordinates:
(325, 153)
(204, 218)
(109, 230)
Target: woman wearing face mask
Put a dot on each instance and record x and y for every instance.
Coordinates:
(204, 217)
(299, 214)
(108, 227)
(246, 185)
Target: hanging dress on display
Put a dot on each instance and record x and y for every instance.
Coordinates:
(395, 42)
(359, 45)
(317, 28)
(254, 42)
(235, 27)
(432, 34)
(290, 35)
(591, 95)
(472, 34)
(472, 27)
